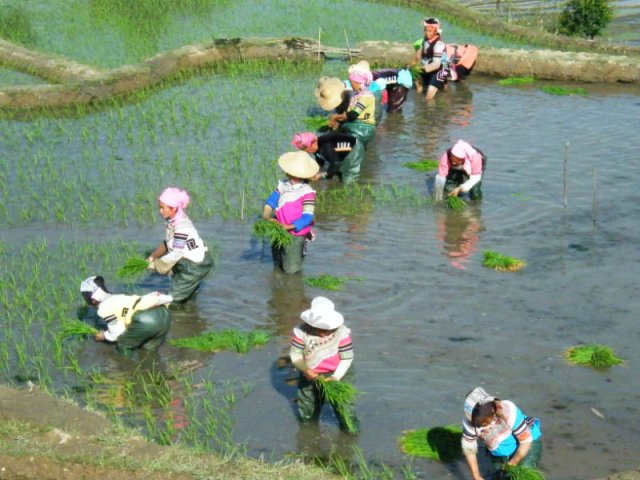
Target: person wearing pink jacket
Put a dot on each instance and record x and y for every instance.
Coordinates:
(460, 171)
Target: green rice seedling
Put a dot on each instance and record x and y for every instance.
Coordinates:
(597, 356)
(519, 472)
(516, 81)
(557, 90)
(340, 394)
(425, 165)
(241, 342)
(328, 282)
(438, 443)
(317, 123)
(132, 267)
(72, 328)
(273, 232)
(454, 202)
(501, 263)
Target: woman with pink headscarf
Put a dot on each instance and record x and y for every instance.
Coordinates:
(183, 254)
(328, 150)
(460, 171)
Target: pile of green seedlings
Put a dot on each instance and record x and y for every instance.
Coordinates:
(327, 282)
(317, 123)
(273, 232)
(341, 395)
(425, 165)
(519, 472)
(132, 268)
(558, 90)
(510, 81)
(438, 443)
(76, 327)
(501, 263)
(594, 355)
(236, 340)
(454, 202)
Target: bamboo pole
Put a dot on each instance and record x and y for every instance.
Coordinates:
(319, 44)
(348, 47)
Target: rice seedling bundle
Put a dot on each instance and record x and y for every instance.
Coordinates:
(132, 267)
(556, 90)
(455, 203)
(516, 81)
(72, 328)
(317, 123)
(328, 282)
(502, 263)
(518, 472)
(273, 232)
(425, 165)
(340, 394)
(597, 356)
(241, 342)
(438, 443)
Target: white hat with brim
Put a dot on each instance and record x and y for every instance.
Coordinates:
(329, 92)
(299, 164)
(476, 396)
(322, 315)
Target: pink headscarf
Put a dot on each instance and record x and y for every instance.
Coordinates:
(462, 149)
(303, 140)
(360, 76)
(175, 198)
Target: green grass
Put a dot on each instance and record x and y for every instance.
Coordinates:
(241, 342)
(594, 355)
(516, 81)
(438, 443)
(518, 472)
(455, 203)
(72, 328)
(425, 165)
(132, 267)
(273, 232)
(557, 90)
(501, 263)
(328, 282)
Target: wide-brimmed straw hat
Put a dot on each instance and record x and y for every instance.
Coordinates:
(476, 396)
(299, 164)
(322, 314)
(361, 66)
(329, 92)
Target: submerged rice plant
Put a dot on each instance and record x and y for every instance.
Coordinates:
(76, 327)
(273, 232)
(501, 263)
(557, 90)
(340, 394)
(516, 81)
(328, 282)
(519, 472)
(317, 123)
(425, 165)
(597, 356)
(241, 342)
(132, 267)
(455, 203)
(438, 443)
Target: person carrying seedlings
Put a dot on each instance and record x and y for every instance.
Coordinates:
(460, 171)
(329, 150)
(398, 82)
(292, 204)
(509, 435)
(322, 347)
(183, 255)
(430, 57)
(358, 119)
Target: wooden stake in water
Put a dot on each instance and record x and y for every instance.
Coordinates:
(319, 36)
(566, 160)
(348, 47)
(242, 207)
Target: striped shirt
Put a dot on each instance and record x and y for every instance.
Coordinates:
(322, 354)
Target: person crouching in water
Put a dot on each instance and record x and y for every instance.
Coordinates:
(329, 150)
(183, 254)
(322, 347)
(460, 171)
(292, 204)
(133, 322)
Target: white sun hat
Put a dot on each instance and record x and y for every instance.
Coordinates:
(322, 314)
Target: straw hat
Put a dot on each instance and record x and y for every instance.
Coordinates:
(329, 92)
(476, 396)
(322, 314)
(299, 164)
(361, 66)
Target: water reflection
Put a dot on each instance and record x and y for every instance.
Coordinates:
(459, 233)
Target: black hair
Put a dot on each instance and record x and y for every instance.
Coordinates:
(99, 281)
(482, 411)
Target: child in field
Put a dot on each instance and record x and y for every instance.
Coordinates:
(322, 346)
(292, 204)
(183, 254)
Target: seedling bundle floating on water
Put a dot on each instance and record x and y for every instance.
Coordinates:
(425, 165)
(597, 356)
(502, 263)
(438, 443)
(132, 267)
(516, 81)
(72, 328)
(339, 394)
(273, 232)
(223, 340)
(454, 202)
(556, 90)
(519, 472)
(317, 123)
(328, 282)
